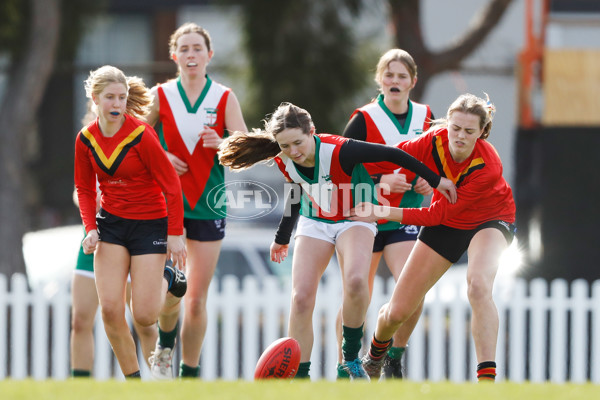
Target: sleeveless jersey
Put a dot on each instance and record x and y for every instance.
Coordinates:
(180, 123)
(330, 191)
(383, 127)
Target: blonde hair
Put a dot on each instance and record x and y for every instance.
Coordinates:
(188, 27)
(244, 149)
(138, 95)
(470, 104)
(395, 55)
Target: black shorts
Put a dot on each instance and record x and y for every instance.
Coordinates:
(403, 234)
(451, 243)
(139, 236)
(204, 230)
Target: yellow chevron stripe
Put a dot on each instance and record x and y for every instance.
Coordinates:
(109, 161)
(440, 150)
(474, 163)
(442, 155)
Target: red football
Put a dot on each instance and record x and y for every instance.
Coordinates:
(279, 361)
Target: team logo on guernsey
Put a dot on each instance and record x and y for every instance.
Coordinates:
(243, 200)
(210, 115)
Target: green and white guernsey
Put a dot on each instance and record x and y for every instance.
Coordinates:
(180, 123)
(330, 192)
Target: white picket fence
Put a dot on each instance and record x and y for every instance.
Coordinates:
(548, 332)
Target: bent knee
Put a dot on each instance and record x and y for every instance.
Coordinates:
(195, 306)
(303, 302)
(395, 315)
(145, 319)
(113, 315)
(478, 289)
(356, 285)
(146, 316)
(82, 322)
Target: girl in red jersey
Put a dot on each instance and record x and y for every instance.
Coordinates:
(133, 229)
(389, 119)
(329, 171)
(480, 222)
(84, 301)
(84, 305)
(192, 113)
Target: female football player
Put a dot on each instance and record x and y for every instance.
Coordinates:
(134, 232)
(329, 170)
(480, 222)
(192, 113)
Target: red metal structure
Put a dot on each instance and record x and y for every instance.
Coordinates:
(530, 60)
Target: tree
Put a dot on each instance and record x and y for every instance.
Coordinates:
(52, 176)
(303, 52)
(29, 69)
(36, 36)
(405, 16)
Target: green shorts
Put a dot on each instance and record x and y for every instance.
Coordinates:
(85, 263)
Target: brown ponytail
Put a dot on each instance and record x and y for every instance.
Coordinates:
(244, 149)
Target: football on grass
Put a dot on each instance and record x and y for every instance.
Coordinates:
(279, 361)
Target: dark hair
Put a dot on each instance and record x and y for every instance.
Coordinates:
(244, 149)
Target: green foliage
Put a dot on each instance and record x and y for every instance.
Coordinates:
(304, 52)
(14, 20)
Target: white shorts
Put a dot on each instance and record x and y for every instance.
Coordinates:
(328, 232)
(83, 272)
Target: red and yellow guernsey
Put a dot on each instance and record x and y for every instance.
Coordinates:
(383, 127)
(179, 126)
(330, 192)
(134, 174)
(483, 193)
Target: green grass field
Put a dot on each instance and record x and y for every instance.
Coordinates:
(288, 390)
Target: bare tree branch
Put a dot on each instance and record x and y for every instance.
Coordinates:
(480, 27)
(406, 19)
